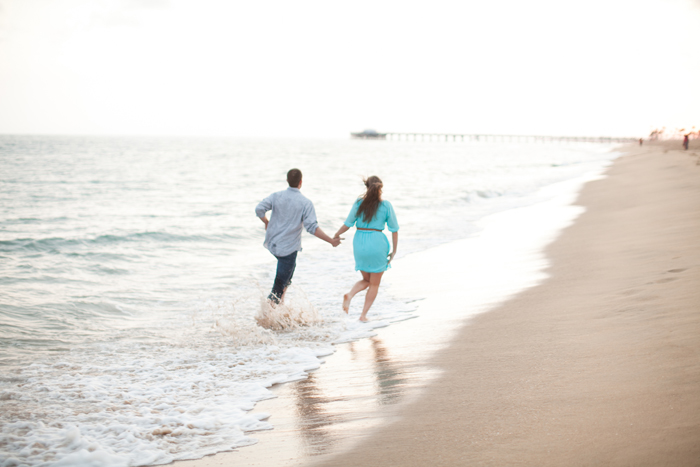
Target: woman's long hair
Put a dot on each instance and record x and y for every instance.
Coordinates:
(371, 199)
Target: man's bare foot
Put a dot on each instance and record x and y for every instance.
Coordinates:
(364, 320)
(346, 303)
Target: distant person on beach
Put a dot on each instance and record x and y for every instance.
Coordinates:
(640, 141)
(369, 214)
(685, 142)
(290, 212)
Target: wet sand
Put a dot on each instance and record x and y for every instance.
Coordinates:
(597, 365)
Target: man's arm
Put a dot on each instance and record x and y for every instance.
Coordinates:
(322, 235)
(311, 225)
(262, 208)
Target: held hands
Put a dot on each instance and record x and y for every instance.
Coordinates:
(335, 241)
(337, 236)
(391, 256)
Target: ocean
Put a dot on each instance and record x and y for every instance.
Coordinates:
(132, 272)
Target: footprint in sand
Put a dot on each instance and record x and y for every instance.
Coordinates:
(666, 279)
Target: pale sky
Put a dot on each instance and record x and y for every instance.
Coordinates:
(325, 68)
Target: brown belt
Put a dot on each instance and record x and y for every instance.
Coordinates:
(360, 228)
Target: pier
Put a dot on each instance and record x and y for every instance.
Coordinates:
(460, 137)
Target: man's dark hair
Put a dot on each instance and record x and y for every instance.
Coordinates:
(294, 178)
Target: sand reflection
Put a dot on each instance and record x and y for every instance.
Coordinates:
(389, 377)
(313, 417)
(371, 378)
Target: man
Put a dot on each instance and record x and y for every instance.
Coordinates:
(290, 211)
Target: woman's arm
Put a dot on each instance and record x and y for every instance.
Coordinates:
(322, 235)
(341, 231)
(395, 241)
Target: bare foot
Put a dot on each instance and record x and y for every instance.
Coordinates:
(346, 303)
(364, 320)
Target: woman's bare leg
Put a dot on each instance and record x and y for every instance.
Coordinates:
(374, 279)
(358, 287)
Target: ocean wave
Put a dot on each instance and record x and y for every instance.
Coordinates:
(162, 237)
(33, 220)
(43, 278)
(479, 195)
(100, 269)
(55, 244)
(42, 321)
(102, 308)
(99, 255)
(31, 244)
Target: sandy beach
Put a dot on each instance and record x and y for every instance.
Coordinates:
(597, 365)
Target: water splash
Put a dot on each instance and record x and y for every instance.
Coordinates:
(294, 314)
(230, 320)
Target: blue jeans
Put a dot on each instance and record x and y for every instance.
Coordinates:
(285, 271)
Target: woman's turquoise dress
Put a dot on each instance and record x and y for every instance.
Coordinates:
(371, 248)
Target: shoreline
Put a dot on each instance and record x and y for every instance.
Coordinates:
(367, 382)
(599, 364)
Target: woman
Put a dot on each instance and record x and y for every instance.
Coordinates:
(369, 214)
